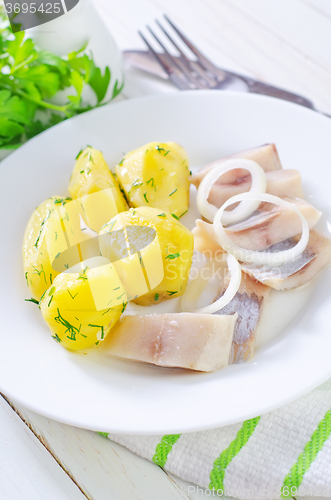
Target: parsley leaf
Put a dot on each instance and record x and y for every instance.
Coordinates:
(100, 83)
(29, 80)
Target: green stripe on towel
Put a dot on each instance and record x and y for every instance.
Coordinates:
(294, 478)
(218, 472)
(164, 448)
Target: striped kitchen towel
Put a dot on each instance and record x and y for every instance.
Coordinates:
(282, 454)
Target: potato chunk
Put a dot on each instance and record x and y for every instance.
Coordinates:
(156, 175)
(37, 263)
(91, 175)
(151, 251)
(83, 304)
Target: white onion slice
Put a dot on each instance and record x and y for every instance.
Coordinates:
(260, 258)
(244, 210)
(235, 280)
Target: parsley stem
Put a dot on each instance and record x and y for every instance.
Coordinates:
(41, 103)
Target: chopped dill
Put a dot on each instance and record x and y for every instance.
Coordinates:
(41, 227)
(151, 180)
(120, 296)
(145, 196)
(135, 184)
(26, 277)
(175, 216)
(165, 154)
(121, 162)
(57, 255)
(183, 214)
(72, 296)
(56, 338)
(82, 171)
(162, 215)
(173, 192)
(124, 306)
(117, 288)
(102, 330)
(82, 275)
(156, 297)
(32, 300)
(80, 152)
(73, 330)
(111, 225)
(172, 256)
(40, 272)
(171, 293)
(51, 279)
(50, 300)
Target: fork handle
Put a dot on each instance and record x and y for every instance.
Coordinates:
(258, 87)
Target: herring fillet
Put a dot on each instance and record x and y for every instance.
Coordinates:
(281, 183)
(269, 225)
(304, 269)
(248, 303)
(266, 156)
(183, 340)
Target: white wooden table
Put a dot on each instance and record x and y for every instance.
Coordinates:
(284, 42)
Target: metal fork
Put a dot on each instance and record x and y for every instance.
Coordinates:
(201, 73)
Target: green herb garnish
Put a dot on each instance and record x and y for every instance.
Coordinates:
(173, 192)
(172, 256)
(33, 77)
(156, 297)
(171, 293)
(32, 300)
(175, 216)
(57, 338)
(145, 196)
(73, 330)
(82, 275)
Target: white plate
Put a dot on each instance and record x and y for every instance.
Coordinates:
(111, 395)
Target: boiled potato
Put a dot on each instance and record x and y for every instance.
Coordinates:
(95, 185)
(37, 263)
(151, 251)
(156, 175)
(83, 304)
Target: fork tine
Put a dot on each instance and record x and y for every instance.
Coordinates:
(181, 66)
(201, 58)
(179, 81)
(189, 63)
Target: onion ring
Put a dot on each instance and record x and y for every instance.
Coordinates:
(260, 258)
(244, 210)
(230, 292)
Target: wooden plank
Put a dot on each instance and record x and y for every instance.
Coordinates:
(226, 33)
(322, 6)
(305, 29)
(27, 470)
(102, 468)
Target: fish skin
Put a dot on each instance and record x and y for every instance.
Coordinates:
(269, 225)
(183, 340)
(266, 156)
(248, 303)
(304, 269)
(281, 183)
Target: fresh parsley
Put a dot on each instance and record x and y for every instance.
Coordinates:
(29, 80)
